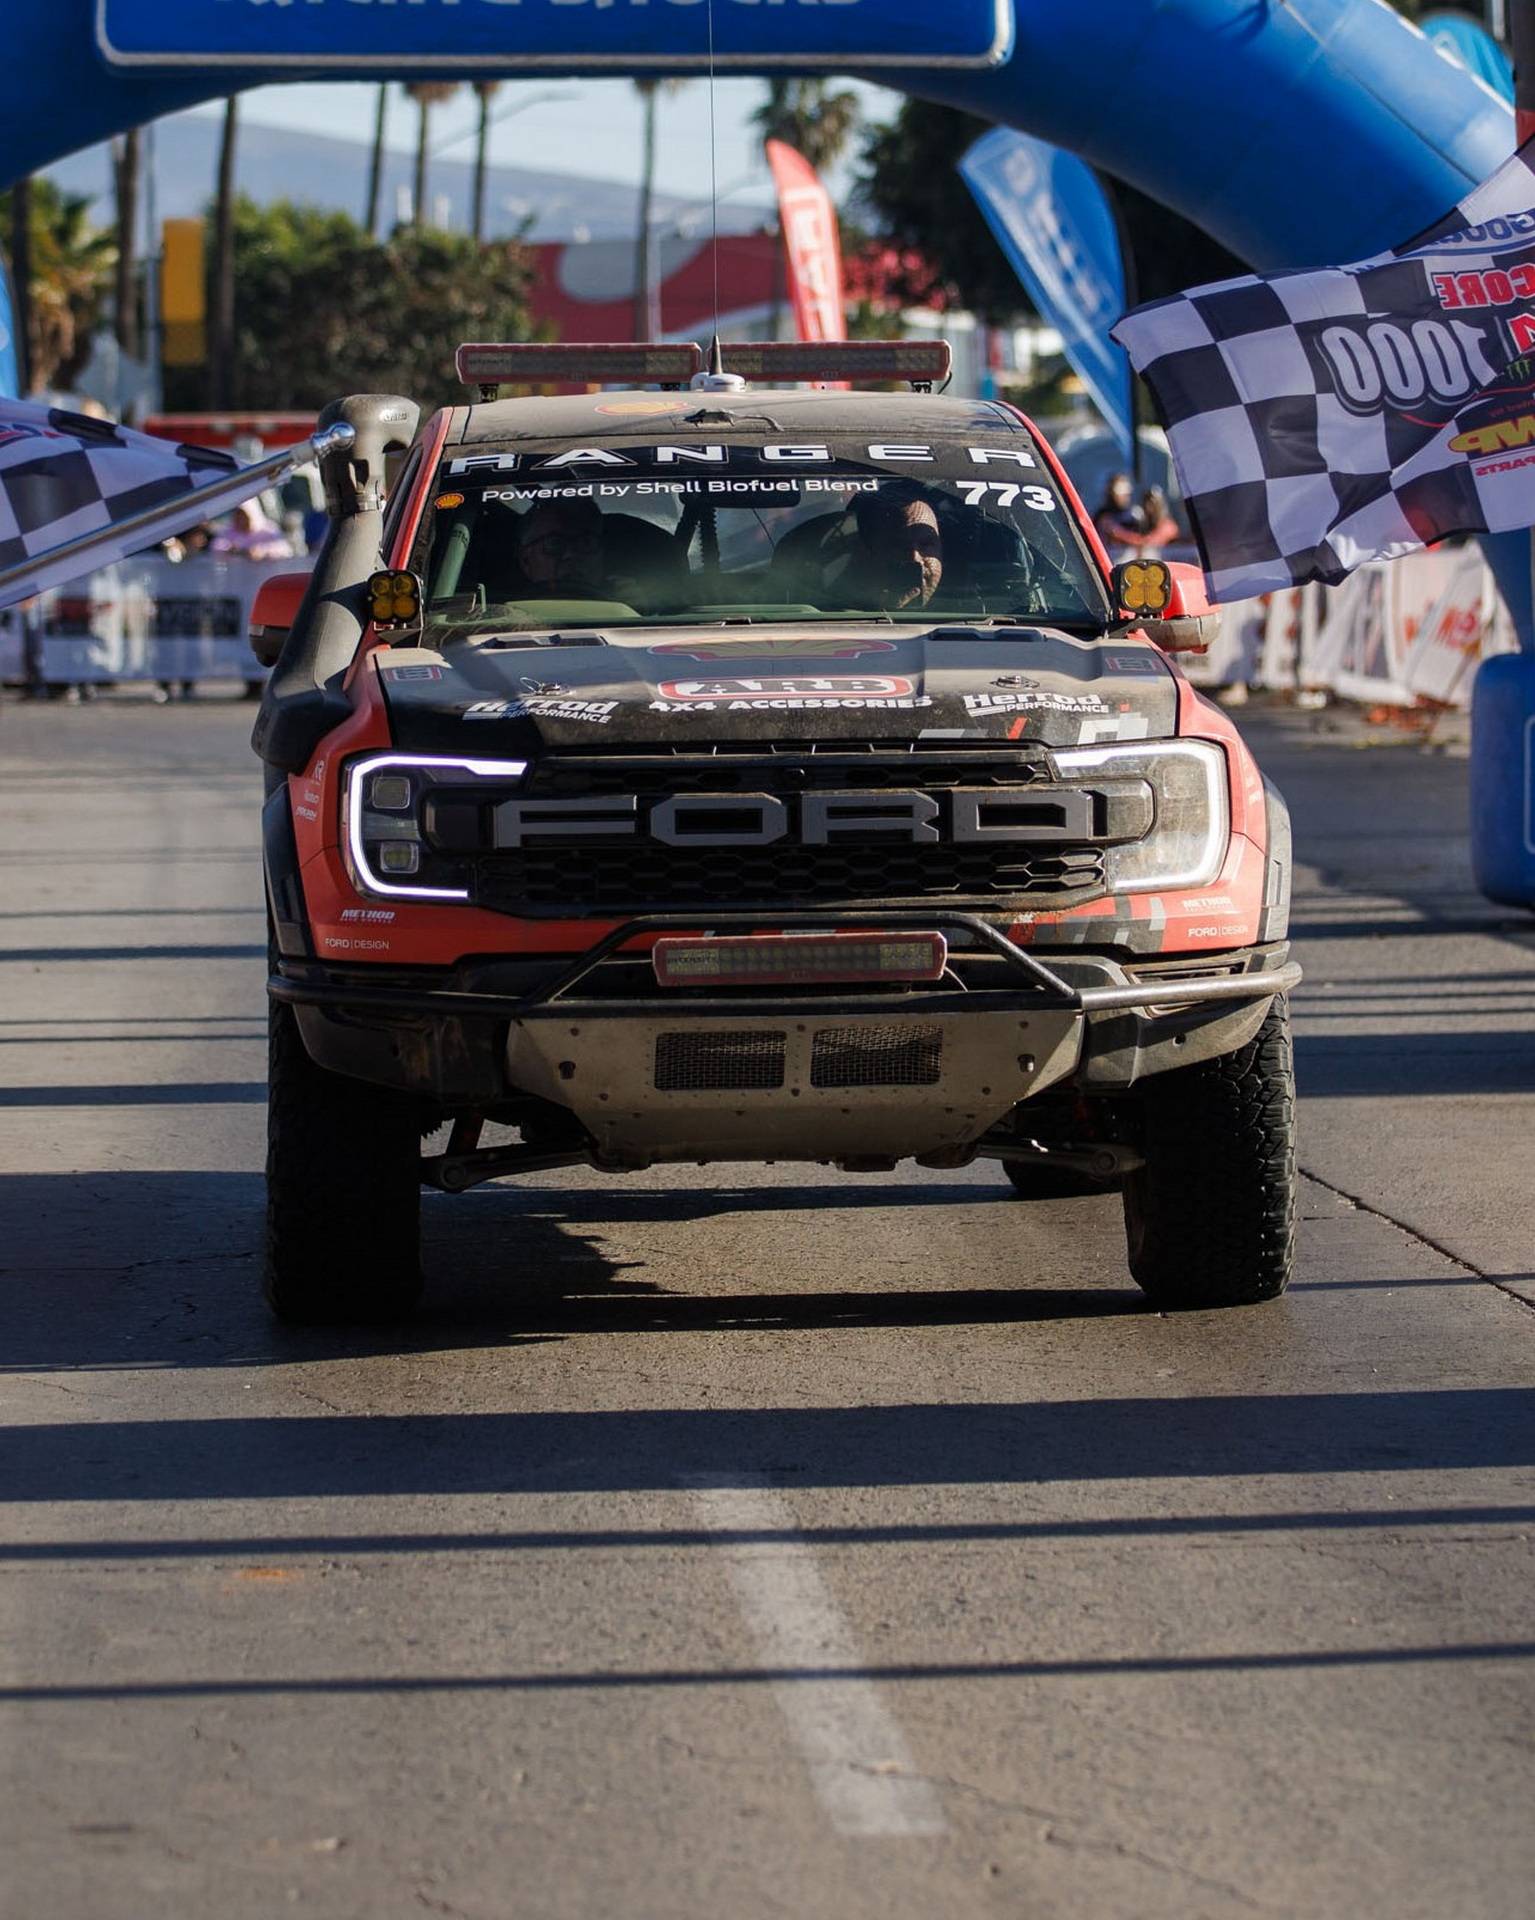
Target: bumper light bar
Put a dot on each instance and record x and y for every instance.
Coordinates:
(798, 959)
(486, 364)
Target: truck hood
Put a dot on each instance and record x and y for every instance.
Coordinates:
(513, 695)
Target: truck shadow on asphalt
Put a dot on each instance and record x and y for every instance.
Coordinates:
(161, 1270)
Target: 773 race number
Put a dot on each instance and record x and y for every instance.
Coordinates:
(1006, 492)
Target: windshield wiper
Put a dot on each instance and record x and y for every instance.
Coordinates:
(1028, 623)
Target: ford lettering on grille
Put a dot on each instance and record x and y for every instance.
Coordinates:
(958, 816)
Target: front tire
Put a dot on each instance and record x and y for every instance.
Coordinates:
(1210, 1217)
(343, 1223)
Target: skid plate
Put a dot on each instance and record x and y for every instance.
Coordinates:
(759, 1087)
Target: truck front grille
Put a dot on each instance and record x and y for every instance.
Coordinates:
(653, 879)
(574, 878)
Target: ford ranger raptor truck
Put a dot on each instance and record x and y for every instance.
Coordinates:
(719, 768)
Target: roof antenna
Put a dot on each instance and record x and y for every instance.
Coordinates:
(714, 378)
(714, 181)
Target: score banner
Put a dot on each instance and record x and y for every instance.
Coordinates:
(571, 36)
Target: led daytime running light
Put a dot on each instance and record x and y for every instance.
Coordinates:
(367, 880)
(1201, 861)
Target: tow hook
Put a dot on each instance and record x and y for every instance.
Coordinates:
(1098, 1163)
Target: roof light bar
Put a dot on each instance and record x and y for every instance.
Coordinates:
(488, 363)
(923, 362)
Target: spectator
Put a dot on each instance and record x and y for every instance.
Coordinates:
(251, 533)
(1158, 527)
(1117, 519)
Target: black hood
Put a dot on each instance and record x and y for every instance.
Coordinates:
(511, 697)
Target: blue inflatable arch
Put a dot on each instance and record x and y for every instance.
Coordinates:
(1296, 131)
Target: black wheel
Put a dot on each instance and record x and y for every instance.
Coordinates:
(1210, 1217)
(1038, 1180)
(343, 1174)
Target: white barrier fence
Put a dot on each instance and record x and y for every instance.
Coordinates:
(143, 619)
(1398, 633)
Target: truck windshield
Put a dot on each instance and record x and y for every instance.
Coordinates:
(657, 535)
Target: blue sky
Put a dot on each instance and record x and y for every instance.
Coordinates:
(592, 128)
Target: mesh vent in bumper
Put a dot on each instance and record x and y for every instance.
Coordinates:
(719, 1062)
(869, 1056)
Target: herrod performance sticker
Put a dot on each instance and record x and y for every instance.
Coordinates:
(1035, 702)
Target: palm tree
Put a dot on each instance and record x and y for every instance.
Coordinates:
(21, 279)
(376, 160)
(125, 300)
(221, 346)
(647, 316)
(63, 269)
(807, 115)
(643, 318)
(426, 94)
(486, 90)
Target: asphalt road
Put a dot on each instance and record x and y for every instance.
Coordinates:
(752, 1542)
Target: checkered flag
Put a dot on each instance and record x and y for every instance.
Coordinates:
(64, 475)
(1321, 419)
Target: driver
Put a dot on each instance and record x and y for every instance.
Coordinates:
(559, 549)
(896, 557)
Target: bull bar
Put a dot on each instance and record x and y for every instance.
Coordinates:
(1043, 989)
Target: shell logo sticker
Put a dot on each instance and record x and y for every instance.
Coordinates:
(446, 500)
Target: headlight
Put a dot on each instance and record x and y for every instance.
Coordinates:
(386, 797)
(1190, 820)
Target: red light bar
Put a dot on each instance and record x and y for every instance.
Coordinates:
(926, 362)
(797, 959)
(489, 363)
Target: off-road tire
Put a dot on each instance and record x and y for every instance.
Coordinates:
(343, 1181)
(1210, 1217)
(1038, 1180)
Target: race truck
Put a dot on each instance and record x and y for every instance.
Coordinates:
(718, 766)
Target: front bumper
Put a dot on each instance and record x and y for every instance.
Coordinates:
(665, 1075)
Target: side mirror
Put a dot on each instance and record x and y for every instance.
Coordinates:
(273, 612)
(1166, 599)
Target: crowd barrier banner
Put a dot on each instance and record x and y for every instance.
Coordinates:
(143, 619)
(1467, 623)
(1398, 633)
